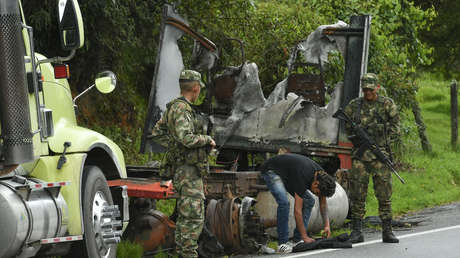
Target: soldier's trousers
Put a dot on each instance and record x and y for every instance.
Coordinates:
(190, 207)
(359, 181)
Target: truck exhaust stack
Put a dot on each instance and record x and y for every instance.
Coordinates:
(14, 105)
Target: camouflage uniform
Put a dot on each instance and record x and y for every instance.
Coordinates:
(187, 159)
(380, 119)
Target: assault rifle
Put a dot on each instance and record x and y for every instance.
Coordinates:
(366, 142)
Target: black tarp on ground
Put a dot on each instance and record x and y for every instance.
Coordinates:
(340, 241)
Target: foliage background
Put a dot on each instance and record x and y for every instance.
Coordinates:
(444, 37)
(122, 36)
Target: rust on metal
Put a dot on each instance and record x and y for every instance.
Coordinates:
(308, 85)
(151, 229)
(218, 183)
(239, 184)
(145, 188)
(345, 159)
(7, 169)
(222, 220)
(224, 86)
(185, 28)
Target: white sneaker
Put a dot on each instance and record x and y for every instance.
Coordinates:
(293, 243)
(267, 250)
(285, 248)
(299, 242)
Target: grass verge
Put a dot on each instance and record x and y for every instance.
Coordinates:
(431, 179)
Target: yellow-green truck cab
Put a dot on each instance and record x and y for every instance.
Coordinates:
(54, 197)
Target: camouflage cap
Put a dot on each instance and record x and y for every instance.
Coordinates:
(192, 76)
(369, 81)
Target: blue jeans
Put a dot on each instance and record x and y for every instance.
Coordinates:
(276, 187)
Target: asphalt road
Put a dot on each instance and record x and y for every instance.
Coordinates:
(442, 242)
(437, 235)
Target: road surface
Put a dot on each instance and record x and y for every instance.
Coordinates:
(438, 235)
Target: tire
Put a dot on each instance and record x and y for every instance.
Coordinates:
(96, 194)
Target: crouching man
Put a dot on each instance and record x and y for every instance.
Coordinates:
(296, 174)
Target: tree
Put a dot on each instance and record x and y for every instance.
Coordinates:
(444, 36)
(122, 36)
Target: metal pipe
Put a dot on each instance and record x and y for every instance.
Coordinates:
(34, 81)
(58, 59)
(83, 92)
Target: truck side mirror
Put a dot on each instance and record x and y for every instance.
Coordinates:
(70, 25)
(106, 82)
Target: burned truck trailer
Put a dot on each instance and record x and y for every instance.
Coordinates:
(243, 121)
(294, 116)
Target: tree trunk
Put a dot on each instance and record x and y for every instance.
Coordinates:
(426, 146)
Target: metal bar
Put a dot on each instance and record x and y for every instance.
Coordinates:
(144, 188)
(353, 62)
(58, 59)
(218, 184)
(35, 82)
(294, 147)
(82, 93)
(185, 28)
(60, 239)
(344, 33)
(350, 29)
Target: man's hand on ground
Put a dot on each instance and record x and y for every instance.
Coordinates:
(308, 239)
(326, 233)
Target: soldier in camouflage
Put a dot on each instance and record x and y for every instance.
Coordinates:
(379, 116)
(186, 160)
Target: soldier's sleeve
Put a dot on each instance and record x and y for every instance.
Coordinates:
(181, 116)
(159, 133)
(393, 120)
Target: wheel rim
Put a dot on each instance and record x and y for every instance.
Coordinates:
(99, 204)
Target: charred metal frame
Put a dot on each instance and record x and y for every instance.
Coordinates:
(317, 144)
(357, 53)
(221, 183)
(170, 18)
(145, 182)
(185, 28)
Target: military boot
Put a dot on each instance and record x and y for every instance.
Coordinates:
(387, 232)
(356, 234)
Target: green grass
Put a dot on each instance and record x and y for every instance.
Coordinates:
(166, 206)
(431, 179)
(127, 249)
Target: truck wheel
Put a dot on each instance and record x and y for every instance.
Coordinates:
(96, 200)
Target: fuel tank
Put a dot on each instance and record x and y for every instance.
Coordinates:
(337, 204)
(29, 212)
